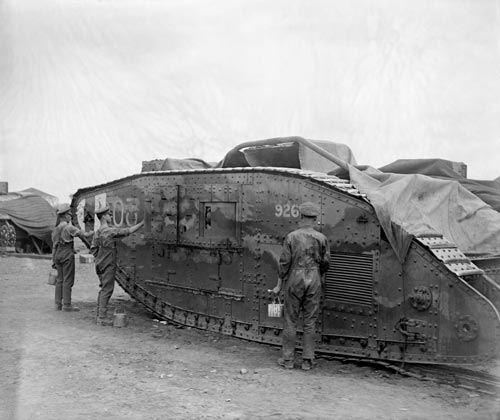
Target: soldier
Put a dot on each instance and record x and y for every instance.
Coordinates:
(304, 260)
(104, 250)
(63, 258)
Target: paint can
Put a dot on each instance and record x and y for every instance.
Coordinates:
(120, 319)
(52, 277)
(275, 309)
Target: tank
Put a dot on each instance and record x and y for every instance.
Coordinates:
(209, 250)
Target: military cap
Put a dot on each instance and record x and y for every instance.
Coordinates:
(63, 210)
(309, 209)
(102, 211)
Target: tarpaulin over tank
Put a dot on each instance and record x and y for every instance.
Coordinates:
(32, 214)
(290, 152)
(311, 161)
(413, 205)
(170, 164)
(488, 191)
(287, 154)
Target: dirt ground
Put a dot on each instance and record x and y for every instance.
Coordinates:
(57, 365)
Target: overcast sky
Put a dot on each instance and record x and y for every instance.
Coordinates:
(89, 89)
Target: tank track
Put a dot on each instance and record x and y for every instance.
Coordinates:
(449, 254)
(474, 381)
(462, 266)
(329, 180)
(471, 380)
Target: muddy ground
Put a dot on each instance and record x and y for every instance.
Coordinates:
(56, 365)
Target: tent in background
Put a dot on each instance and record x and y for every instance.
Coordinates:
(26, 221)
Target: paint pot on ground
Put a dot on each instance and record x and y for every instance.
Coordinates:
(120, 319)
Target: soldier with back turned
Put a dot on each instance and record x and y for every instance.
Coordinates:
(303, 262)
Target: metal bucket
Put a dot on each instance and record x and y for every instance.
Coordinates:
(120, 319)
(275, 309)
(52, 278)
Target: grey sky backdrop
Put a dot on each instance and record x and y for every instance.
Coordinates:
(91, 88)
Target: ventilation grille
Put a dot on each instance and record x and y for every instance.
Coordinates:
(350, 279)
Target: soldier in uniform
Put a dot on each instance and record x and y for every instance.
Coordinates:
(304, 260)
(63, 258)
(104, 250)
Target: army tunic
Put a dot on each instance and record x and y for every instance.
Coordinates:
(64, 261)
(104, 250)
(304, 259)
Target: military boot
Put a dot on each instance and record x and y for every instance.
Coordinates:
(307, 364)
(286, 363)
(104, 322)
(70, 308)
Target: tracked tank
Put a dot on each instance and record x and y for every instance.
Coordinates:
(209, 251)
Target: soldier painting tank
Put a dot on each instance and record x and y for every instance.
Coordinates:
(209, 250)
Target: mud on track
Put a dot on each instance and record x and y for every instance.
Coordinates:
(56, 365)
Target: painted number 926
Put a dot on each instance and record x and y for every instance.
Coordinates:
(286, 210)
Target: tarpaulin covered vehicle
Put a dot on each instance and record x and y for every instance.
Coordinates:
(26, 221)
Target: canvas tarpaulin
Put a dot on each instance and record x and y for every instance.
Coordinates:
(32, 214)
(288, 153)
(413, 205)
(310, 160)
(299, 155)
(170, 164)
(488, 191)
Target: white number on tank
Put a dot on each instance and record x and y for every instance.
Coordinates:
(286, 210)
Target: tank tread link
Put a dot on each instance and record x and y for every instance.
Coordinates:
(210, 247)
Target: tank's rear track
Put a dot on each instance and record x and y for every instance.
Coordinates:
(469, 379)
(472, 380)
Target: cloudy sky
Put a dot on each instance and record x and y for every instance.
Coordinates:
(91, 88)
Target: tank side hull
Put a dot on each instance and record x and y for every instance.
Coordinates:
(210, 248)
